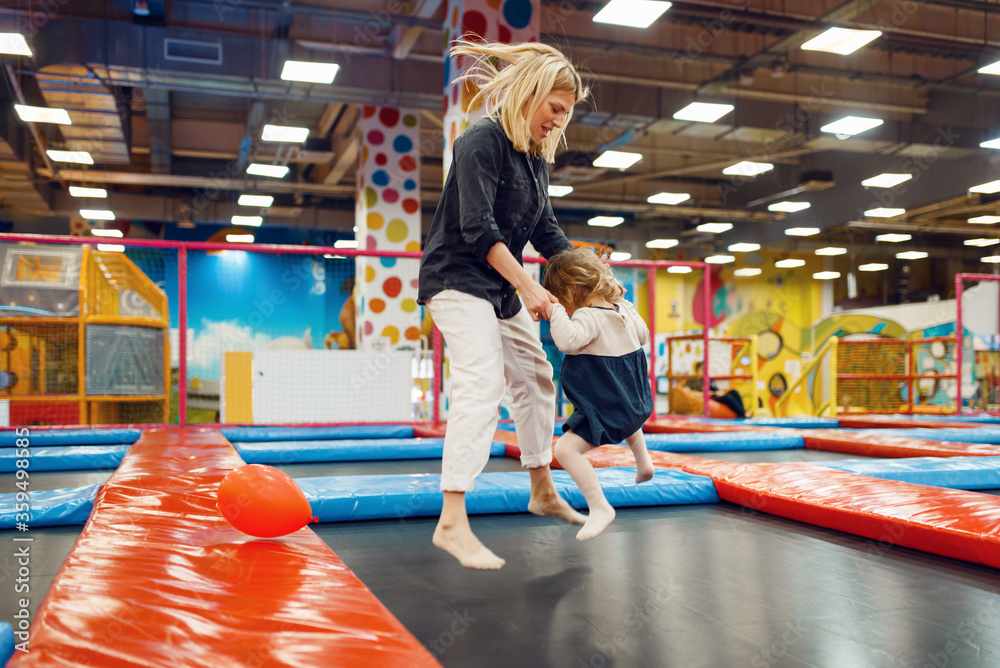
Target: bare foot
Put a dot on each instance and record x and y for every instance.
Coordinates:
(644, 473)
(599, 518)
(462, 544)
(553, 505)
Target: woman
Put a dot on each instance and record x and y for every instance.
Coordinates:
(495, 201)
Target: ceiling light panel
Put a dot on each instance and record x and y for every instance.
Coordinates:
(97, 214)
(632, 13)
(284, 133)
(80, 191)
(606, 221)
(42, 115)
(79, 157)
(715, 228)
(883, 212)
(849, 126)
(886, 180)
(719, 259)
(842, 41)
(703, 112)
(255, 200)
(298, 70)
(992, 68)
(13, 43)
(668, 198)
(747, 168)
(986, 188)
(617, 159)
(893, 238)
(789, 207)
(273, 171)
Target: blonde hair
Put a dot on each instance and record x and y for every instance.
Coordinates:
(513, 93)
(573, 276)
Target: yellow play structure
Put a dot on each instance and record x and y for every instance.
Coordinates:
(84, 338)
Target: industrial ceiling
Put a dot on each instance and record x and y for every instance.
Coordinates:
(169, 97)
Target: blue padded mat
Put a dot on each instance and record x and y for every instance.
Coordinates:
(557, 431)
(793, 422)
(989, 435)
(65, 458)
(365, 497)
(59, 507)
(344, 498)
(983, 418)
(72, 437)
(953, 472)
(257, 434)
(723, 441)
(350, 450)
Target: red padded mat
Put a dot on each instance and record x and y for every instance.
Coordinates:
(879, 445)
(159, 578)
(949, 522)
(893, 422)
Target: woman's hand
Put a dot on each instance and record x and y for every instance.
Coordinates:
(538, 301)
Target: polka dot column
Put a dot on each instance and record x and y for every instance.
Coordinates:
(388, 218)
(506, 21)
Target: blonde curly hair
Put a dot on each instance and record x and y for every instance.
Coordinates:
(513, 93)
(573, 276)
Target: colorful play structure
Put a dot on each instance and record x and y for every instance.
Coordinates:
(84, 338)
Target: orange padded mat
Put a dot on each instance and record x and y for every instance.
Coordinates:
(159, 578)
(884, 445)
(950, 522)
(895, 422)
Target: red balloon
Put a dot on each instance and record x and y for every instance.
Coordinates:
(262, 501)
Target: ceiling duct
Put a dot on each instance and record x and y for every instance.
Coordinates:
(812, 181)
(17, 187)
(187, 51)
(101, 116)
(575, 167)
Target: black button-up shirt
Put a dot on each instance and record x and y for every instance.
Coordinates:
(493, 193)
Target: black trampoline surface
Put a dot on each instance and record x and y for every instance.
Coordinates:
(683, 586)
(712, 585)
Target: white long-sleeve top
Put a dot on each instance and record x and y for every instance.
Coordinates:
(599, 331)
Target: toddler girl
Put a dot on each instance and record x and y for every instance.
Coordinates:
(604, 372)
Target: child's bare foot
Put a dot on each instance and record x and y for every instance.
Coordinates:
(462, 544)
(553, 505)
(599, 518)
(644, 473)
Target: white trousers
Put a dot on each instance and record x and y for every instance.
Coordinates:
(488, 356)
